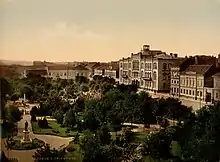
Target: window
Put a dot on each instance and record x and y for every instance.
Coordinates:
(193, 92)
(177, 90)
(149, 65)
(164, 66)
(181, 90)
(169, 65)
(184, 91)
(121, 65)
(129, 65)
(164, 76)
(154, 76)
(142, 83)
(64, 74)
(189, 92)
(216, 95)
(174, 81)
(200, 93)
(174, 90)
(171, 81)
(142, 65)
(177, 82)
(155, 66)
(142, 74)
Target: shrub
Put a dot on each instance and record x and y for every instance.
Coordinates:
(43, 123)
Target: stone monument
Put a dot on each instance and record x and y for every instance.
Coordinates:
(26, 138)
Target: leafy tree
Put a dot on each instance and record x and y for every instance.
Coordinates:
(202, 139)
(15, 114)
(84, 88)
(14, 97)
(70, 118)
(157, 145)
(34, 111)
(43, 123)
(81, 79)
(59, 115)
(5, 89)
(45, 153)
(104, 135)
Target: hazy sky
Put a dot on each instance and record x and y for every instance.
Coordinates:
(67, 30)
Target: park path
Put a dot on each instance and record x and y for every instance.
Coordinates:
(26, 156)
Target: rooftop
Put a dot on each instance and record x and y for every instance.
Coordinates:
(80, 67)
(199, 69)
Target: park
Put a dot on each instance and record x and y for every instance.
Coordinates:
(99, 120)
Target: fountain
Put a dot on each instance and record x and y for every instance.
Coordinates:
(26, 137)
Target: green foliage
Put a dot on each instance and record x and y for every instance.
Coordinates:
(59, 115)
(45, 153)
(202, 139)
(14, 114)
(84, 88)
(69, 119)
(43, 123)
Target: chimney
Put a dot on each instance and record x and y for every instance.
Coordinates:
(196, 60)
(171, 54)
(175, 55)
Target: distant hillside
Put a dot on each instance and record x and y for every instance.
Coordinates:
(13, 62)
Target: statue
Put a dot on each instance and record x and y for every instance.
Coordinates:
(26, 126)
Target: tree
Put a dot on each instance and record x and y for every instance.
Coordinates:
(70, 118)
(104, 135)
(157, 145)
(43, 123)
(45, 153)
(15, 114)
(59, 115)
(201, 142)
(84, 88)
(5, 89)
(34, 111)
(14, 97)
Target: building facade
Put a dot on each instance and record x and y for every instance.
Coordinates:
(149, 69)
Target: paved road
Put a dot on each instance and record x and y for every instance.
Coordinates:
(54, 141)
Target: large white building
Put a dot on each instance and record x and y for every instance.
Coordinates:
(149, 69)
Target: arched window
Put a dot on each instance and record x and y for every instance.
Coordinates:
(169, 65)
(164, 66)
(164, 76)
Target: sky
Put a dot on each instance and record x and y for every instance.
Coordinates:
(104, 30)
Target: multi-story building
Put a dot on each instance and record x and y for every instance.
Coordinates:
(37, 70)
(108, 70)
(149, 69)
(182, 65)
(216, 88)
(60, 71)
(196, 81)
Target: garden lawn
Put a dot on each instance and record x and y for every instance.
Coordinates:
(55, 129)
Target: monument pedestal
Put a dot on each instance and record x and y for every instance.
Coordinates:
(26, 137)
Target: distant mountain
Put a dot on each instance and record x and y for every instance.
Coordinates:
(13, 62)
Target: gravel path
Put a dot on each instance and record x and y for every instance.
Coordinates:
(26, 156)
